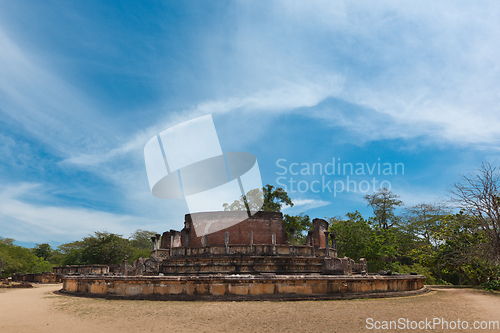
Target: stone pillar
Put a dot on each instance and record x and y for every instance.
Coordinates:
(273, 238)
(292, 240)
(186, 243)
(319, 227)
(334, 244)
(204, 241)
(226, 241)
(327, 244)
(251, 240)
(310, 241)
(153, 241)
(124, 267)
(171, 244)
(363, 266)
(157, 243)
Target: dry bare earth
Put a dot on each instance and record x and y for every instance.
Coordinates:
(40, 310)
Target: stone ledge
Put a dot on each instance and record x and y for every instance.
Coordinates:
(246, 286)
(246, 277)
(242, 298)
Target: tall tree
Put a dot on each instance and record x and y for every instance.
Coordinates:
(461, 249)
(275, 198)
(141, 239)
(301, 224)
(356, 239)
(105, 248)
(269, 199)
(68, 254)
(423, 219)
(383, 203)
(43, 251)
(478, 195)
(18, 259)
(251, 201)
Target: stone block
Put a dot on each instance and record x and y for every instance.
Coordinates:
(241, 289)
(218, 289)
(262, 288)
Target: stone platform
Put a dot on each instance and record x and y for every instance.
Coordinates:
(243, 287)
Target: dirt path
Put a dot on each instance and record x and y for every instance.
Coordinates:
(39, 310)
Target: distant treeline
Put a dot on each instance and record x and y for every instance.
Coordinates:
(101, 248)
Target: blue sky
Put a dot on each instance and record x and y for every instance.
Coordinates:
(85, 84)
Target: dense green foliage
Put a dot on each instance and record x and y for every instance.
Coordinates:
(18, 259)
(426, 239)
(301, 224)
(100, 248)
(492, 285)
(268, 199)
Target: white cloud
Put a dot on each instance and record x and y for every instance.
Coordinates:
(405, 70)
(422, 68)
(46, 106)
(287, 97)
(303, 205)
(27, 222)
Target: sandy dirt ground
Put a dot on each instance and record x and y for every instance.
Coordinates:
(40, 310)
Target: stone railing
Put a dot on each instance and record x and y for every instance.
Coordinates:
(81, 269)
(45, 277)
(255, 250)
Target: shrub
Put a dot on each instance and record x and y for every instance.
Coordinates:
(491, 285)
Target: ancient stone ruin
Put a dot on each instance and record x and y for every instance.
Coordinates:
(251, 259)
(257, 245)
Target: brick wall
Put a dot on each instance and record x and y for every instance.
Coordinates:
(261, 224)
(319, 228)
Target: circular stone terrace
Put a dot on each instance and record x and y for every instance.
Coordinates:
(250, 260)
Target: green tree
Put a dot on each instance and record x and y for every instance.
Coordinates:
(140, 241)
(301, 224)
(68, 254)
(269, 199)
(275, 198)
(383, 203)
(478, 195)
(356, 239)
(6, 260)
(105, 248)
(462, 246)
(43, 251)
(251, 201)
(423, 220)
(18, 259)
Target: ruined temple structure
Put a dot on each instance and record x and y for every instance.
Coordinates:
(254, 259)
(258, 244)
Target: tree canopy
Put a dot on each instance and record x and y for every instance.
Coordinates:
(478, 195)
(384, 203)
(269, 199)
(18, 259)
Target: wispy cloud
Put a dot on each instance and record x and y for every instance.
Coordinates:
(370, 71)
(46, 106)
(285, 98)
(27, 222)
(303, 205)
(422, 69)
